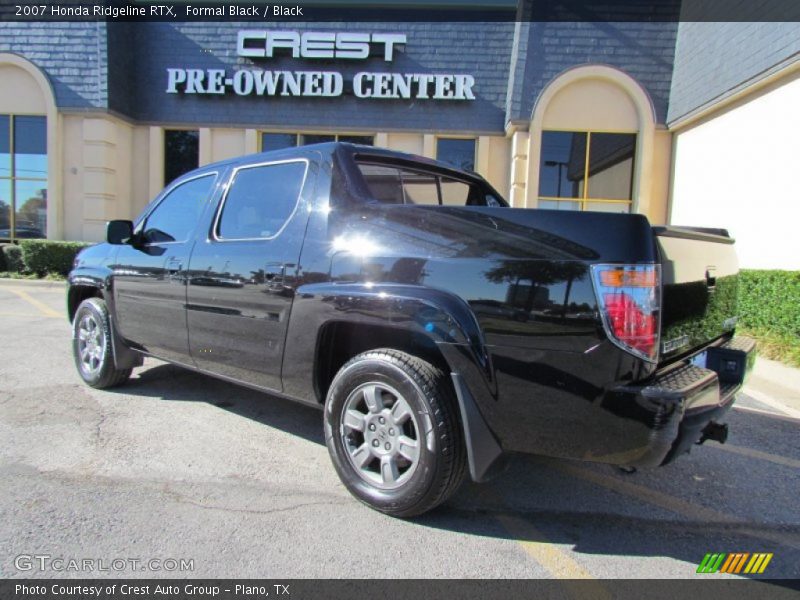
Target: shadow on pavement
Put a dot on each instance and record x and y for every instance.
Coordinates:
(541, 500)
(172, 383)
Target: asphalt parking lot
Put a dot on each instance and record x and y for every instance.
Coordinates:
(176, 465)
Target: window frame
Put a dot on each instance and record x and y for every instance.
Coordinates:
(142, 222)
(13, 178)
(585, 199)
(214, 234)
(298, 134)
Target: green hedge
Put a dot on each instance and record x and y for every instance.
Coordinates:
(11, 258)
(769, 301)
(769, 310)
(48, 256)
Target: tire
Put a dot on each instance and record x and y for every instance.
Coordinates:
(376, 459)
(92, 348)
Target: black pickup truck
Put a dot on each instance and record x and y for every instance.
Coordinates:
(438, 328)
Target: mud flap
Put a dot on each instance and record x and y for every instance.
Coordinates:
(485, 456)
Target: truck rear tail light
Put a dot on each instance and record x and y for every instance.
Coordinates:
(630, 299)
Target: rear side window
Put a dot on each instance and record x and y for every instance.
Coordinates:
(420, 188)
(383, 183)
(397, 185)
(176, 216)
(261, 200)
(454, 192)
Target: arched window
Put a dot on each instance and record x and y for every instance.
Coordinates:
(26, 117)
(591, 141)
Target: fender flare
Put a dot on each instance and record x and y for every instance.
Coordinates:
(443, 317)
(124, 356)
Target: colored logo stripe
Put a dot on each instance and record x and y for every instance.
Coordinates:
(734, 562)
(758, 563)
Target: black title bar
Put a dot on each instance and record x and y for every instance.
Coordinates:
(402, 10)
(417, 589)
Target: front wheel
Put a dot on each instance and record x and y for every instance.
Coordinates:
(91, 346)
(393, 432)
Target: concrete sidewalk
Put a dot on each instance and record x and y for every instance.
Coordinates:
(775, 384)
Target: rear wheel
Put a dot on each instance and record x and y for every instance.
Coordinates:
(92, 348)
(393, 433)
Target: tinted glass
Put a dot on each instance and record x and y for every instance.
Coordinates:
(181, 153)
(611, 165)
(30, 147)
(176, 215)
(364, 140)
(562, 167)
(420, 188)
(277, 141)
(5, 146)
(458, 153)
(5, 208)
(261, 200)
(30, 219)
(454, 193)
(313, 138)
(383, 183)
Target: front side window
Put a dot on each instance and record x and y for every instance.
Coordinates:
(181, 153)
(23, 177)
(587, 171)
(261, 200)
(459, 153)
(176, 216)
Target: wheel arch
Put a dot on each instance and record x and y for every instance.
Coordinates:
(330, 324)
(83, 286)
(77, 294)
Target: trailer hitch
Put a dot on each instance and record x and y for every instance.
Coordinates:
(714, 431)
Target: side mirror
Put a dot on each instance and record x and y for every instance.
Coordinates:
(119, 232)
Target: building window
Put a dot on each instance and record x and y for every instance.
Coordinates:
(23, 177)
(457, 152)
(181, 153)
(278, 141)
(582, 170)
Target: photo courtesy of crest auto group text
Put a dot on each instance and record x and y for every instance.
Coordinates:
(448, 300)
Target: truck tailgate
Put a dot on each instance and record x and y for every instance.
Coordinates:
(700, 280)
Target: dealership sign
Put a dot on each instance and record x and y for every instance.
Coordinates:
(344, 46)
